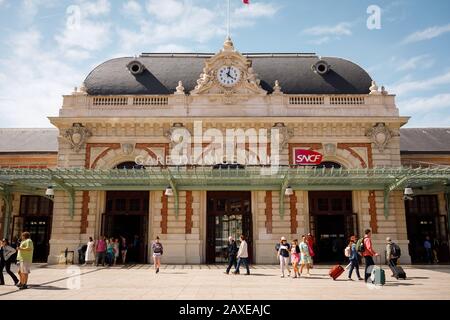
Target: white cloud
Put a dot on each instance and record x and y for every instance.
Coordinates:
(83, 34)
(426, 104)
(30, 8)
(246, 15)
(193, 23)
(171, 21)
(427, 34)
(418, 62)
(34, 79)
(167, 10)
(341, 29)
(98, 8)
(327, 33)
(89, 36)
(412, 86)
(132, 8)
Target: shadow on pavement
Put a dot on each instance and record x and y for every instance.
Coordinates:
(39, 287)
(398, 284)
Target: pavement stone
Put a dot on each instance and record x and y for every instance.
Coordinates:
(208, 282)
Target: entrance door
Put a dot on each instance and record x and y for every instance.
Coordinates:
(423, 220)
(229, 214)
(127, 215)
(35, 217)
(39, 230)
(332, 222)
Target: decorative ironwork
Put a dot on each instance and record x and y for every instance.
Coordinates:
(182, 178)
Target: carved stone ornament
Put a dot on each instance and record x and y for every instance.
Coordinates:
(284, 134)
(380, 135)
(179, 88)
(374, 88)
(77, 136)
(329, 149)
(208, 83)
(127, 148)
(176, 126)
(277, 87)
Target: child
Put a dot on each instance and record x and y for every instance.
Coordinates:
(295, 257)
(353, 258)
(116, 250)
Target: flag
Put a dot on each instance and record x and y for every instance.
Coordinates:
(246, 1)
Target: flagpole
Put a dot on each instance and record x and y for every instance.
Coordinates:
(228, 20)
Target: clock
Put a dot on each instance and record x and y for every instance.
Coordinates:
(228, 76)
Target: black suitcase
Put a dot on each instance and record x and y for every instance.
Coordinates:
(397, 271)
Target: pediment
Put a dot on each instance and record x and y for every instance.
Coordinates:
(209, 83)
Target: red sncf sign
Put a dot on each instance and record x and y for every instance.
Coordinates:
(307, 157)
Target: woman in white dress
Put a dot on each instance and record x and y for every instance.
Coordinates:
(90, 254)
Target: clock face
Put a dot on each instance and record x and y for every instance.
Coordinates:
(228, 76)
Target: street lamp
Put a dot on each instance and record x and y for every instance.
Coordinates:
(169, 191)
(289, 191)
(408, 193)
(50, 192)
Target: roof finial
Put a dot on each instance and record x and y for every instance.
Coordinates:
(374, 88)
(277, 87)
(228, 44)
(180, 88)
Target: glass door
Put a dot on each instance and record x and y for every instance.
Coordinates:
(229, 214)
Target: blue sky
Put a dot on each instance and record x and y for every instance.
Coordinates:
(44, 52)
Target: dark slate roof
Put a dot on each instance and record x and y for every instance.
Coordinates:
(28, 140)
(425, 140)
(163, 71)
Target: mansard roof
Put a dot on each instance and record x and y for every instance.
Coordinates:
(163, 71)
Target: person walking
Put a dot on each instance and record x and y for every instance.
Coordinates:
(305, 258)
(353, 258)
(6, 254)
(90, 252)
(283, 249)
(116, 250)
(158, 250)
(123, 249)
(25, 259)
(428, 250)
(368, 253)
(232, 254)
(393, 253)
(100, 251)
(311, 243)
(242, 256)
(295, 257)
(110, 252)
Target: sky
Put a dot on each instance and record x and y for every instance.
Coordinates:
(48, 47)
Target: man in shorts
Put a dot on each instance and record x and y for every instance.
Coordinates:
(25, 258)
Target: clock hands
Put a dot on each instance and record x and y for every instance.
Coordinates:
(229, 74)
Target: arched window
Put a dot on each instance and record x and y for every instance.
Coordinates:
(129, 165)
(329, 165)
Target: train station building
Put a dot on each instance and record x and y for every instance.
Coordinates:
(196, 147)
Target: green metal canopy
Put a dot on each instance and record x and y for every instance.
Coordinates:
(35, 181)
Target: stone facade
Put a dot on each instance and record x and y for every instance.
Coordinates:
(117, 129)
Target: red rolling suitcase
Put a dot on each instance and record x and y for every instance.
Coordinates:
(336, 271)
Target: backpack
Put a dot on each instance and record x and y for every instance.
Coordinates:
(348, 252)
(360, 245)
(395, 250)
(157, 248)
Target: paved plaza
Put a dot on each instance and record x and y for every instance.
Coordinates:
(208, 282)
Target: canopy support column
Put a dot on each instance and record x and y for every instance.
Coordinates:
(7, 198)
(70, 192)
(284, 186)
